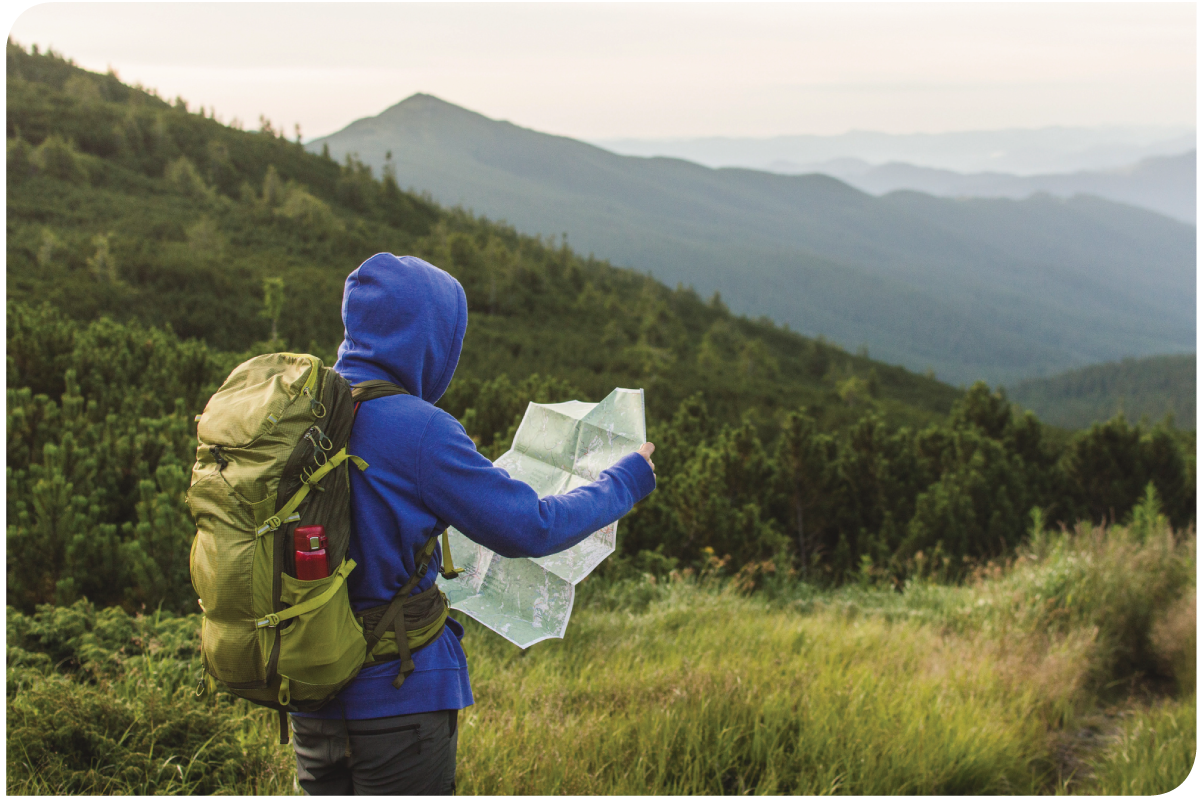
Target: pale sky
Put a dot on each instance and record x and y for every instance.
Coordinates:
(651, 71)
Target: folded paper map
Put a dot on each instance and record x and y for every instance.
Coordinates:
(558, 447)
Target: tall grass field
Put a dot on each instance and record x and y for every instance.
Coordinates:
(1067, 669)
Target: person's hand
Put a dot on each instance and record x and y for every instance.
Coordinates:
(646, 450)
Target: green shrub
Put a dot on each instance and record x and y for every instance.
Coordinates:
(182, 175)
(314, 217)
(20, 160)
(57, 157)
(100, 702)
(96, 479)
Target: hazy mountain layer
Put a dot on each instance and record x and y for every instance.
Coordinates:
(990, 289)
(1166, 184)
(1146, 387)
(1018, 152)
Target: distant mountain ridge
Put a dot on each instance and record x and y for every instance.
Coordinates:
(991, 289)
(1165, 184)
(1150, 388)
(1052, 150)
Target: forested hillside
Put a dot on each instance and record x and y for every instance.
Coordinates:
(122, 204)
(990, 289)
(151, 248)
(1140, 388)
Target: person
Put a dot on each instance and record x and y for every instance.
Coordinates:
(404, 323)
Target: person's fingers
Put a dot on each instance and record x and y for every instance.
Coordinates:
(646, 450)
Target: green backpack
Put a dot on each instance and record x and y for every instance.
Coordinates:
(271, 457)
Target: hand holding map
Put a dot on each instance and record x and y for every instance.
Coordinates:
(558, 447)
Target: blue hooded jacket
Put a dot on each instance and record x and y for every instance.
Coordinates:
(405, 320)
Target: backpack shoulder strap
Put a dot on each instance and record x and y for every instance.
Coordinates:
(374, 389)
(393, 617)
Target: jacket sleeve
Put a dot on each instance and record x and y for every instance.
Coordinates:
(464, 489)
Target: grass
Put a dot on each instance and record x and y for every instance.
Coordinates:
(707, 692)
(691, 686)
(1153, 748)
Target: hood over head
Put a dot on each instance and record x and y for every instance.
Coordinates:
(405, 320)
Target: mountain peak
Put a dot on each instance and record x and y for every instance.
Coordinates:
(426, 102)
(422, 98)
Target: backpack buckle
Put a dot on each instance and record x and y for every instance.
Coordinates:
(269, 525)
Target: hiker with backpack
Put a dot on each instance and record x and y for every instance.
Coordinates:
(348, 632)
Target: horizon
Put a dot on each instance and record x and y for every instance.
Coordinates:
(1014, 151)
(684, 71)
(1165, 130)
(1171, 130)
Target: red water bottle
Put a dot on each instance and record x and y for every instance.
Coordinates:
(311, 560)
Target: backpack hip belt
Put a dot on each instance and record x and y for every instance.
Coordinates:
(427, 610)
(418, 624)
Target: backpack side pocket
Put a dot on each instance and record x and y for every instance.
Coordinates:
(324, 648)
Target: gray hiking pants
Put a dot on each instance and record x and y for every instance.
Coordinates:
(397, 755)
